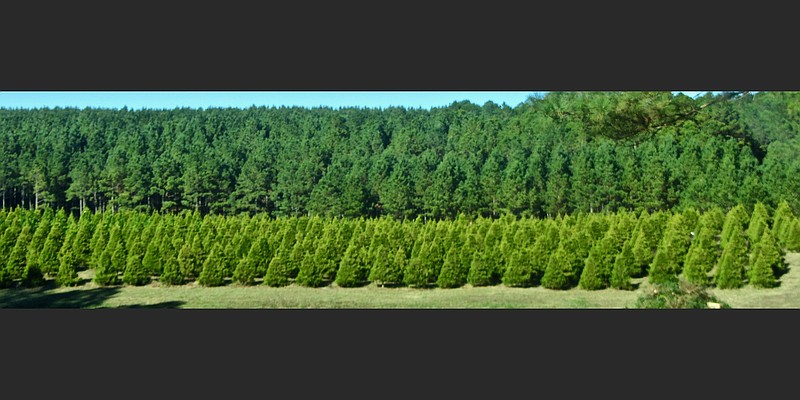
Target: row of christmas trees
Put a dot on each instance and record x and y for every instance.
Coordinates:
(591, 251)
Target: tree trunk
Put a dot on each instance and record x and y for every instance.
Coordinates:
(37, 201)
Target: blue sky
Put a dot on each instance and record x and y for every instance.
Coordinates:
(169, 100)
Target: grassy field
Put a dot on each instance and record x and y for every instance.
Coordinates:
(89, 295)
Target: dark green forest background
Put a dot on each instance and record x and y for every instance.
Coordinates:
(559, 153)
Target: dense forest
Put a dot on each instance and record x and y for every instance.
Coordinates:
(557, 154)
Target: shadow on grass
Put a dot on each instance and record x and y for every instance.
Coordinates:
(166, 304)
(44, 297)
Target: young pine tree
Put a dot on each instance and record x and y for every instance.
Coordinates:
(735, 220)
(191, 257)
(766, 262)
(565, 266)
(135, 273)
(310, 273)
(119, 258)
(418, 272)
(67, 274)
(781, 220)
(558, 274)
(542, 249)
(383, 265)
(81, 243)
(171, 274)
(599, 265)
(104, 273)
(733, 262)
(245, 272)
(762, 264)
(623, 268)
(664, 266)
(9, 237)
(98, 243)
(353, 271)
(519, 272)
(792, 236)
(701, 257)
(48, 258)
(212, 274)
(16, 262)
(37, 242)
(774, 253)
(152, 258)
(454, 271)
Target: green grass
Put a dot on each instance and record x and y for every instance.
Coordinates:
(89, 295)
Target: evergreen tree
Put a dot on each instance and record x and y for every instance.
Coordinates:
(327, 255)
(782, 219)
(9, 238)
(212, 273)
(105, 274)
(32, 275)
(454, 270)
(733, 262)
(295, 259)
(716, 220)
(135, 273)
(543, 248)
(763, 263)
(5, 279)
(246, 271)
(773, 253)
(759, 222)
(16, 262)
(171, 274)
(599, 265)
(81, 244)
(519, 272)
(558, 272)
(435, 260)
(792, 236)
(480, 274)
(419, 271)
(735, 221)
(760, 212)
(260, 254)
(119, 258)
(310, 273)
(36, 245)
(382, 266)
(664, 267)
(702, 255)
(623, 268)
(350, 269)
(67, 273)
(643, 251)
(229, 260)
(98, 244)
(565, 266)
(192, 260)
(152, 261)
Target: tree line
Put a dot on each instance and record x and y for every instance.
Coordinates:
(588, 250)
(557, 154)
